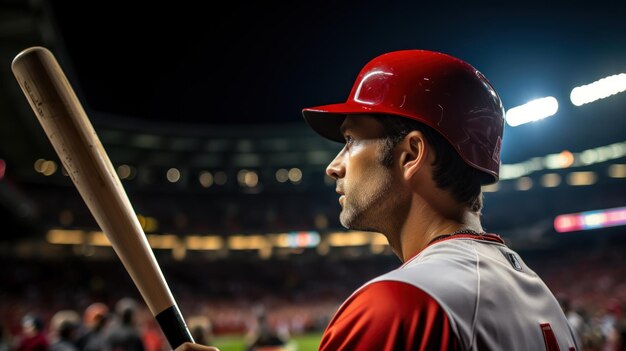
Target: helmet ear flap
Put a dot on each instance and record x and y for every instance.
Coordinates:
(433, 88)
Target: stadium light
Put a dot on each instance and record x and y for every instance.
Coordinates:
(524, 183)
(124, 171)
(550, 180)
(617, 171)
(173, 175)
(65, 237)
(491, 188)
(532, 111)
(206, 179)
(610, 217)
(599, 89)
(220, 178)
(204, 242)
(581, 178)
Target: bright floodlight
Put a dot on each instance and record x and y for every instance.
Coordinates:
(599, 89)
(532, 111)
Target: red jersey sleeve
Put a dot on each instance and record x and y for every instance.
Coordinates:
(389, 315)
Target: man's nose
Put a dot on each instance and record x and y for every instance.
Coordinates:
(336, 167)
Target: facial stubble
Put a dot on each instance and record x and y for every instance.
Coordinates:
(371, 203)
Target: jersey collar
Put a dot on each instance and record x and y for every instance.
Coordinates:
(483, 237)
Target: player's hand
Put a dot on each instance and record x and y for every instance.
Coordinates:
(195, 347)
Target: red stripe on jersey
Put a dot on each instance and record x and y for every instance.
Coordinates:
(549, 338)
(389, 315)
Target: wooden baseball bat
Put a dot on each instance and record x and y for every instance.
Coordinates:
(74, 139)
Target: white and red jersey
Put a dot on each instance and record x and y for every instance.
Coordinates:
(460, 293)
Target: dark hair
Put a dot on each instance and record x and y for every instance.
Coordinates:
(450, 171)
(66, 329)
(35, 320)
(127, 316)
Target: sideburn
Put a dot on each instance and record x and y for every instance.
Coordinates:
(385, 151)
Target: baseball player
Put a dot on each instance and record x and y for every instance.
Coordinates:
(422, 133)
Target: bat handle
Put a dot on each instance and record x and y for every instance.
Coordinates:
(173, 326)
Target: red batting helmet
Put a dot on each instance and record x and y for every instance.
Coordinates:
(436, 89)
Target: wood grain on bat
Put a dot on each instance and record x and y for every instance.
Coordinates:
(75, 141)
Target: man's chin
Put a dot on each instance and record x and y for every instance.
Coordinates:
(352, 223)
(343, 221)
(346, 220)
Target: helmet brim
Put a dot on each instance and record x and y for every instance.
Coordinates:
(326, 120)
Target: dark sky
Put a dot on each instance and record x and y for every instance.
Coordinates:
(263, 62)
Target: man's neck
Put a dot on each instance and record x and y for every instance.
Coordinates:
(423, 224)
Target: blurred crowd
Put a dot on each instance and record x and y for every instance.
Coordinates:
(96, 328)
(91, 305)
(130, 326)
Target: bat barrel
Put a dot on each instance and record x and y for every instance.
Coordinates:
(74, 139)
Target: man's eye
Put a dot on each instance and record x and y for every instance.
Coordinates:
(349, 140)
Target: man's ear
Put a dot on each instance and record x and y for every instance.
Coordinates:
(414, 153)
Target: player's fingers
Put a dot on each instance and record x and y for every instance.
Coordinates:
(195, 347)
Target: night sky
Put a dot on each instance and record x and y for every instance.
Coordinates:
(262, 63)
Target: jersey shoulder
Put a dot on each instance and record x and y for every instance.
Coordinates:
(389, 315)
